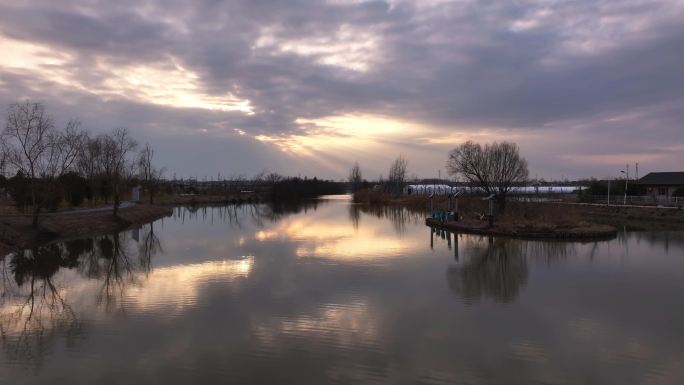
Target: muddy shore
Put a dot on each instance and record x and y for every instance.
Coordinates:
(16, 231)
(582, 231)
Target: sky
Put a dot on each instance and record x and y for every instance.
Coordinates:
(309, 87)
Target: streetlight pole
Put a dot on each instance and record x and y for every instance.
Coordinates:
(624, 202)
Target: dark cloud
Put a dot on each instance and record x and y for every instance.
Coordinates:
(554, 77)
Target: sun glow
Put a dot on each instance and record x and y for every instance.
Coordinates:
(319, 238)
(164, 83)
(171, 85)
(351, 131)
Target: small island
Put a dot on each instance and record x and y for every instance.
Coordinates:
(529, 229)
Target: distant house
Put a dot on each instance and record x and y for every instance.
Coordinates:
(135, 193)
(662, 184)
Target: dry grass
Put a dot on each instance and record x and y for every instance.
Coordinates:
(16, 231)
(379, 197)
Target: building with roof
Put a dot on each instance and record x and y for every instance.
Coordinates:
(662, 184)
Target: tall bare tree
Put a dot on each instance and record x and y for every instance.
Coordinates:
(88, 162)
(123, 144)
(38, 150)
(397, 174)
(3, 155)
(494, 168)
(355, 177)
(112, 160)
(26, 134)
(149, 174)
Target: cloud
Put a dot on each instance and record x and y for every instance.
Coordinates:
(548, 75)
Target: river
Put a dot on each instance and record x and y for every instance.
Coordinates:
(328, 292)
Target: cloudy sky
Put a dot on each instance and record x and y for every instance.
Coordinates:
(306, 87)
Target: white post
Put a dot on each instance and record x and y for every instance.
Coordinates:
(625, 200)
(626, 172)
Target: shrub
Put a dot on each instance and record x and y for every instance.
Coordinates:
(19, 190)
(75, 188)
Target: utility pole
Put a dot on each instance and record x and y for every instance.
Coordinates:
(636, 177)
(626, 172)
(608, 192)
(626, 180)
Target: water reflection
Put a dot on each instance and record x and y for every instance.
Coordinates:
(334, 292)
(238, 214)
(495, 268)
(38, 286)
(33, 308)
(398, 216)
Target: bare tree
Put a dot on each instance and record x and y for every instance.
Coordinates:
(113, 158)
(26, 135)
(3, 155)
(273, 178)
(355, 177)
(88, 162)
(38, 150)
(148, 173)
(494, 168)
(63, 149)
(397, 175)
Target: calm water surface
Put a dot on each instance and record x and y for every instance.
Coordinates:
(329, 293)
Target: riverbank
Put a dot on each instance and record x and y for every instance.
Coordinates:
(16, 231)
(529, 230)
(633, 218)
(201, 199)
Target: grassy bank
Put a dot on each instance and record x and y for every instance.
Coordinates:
(379, 197)
(538, 220)
(16, 231)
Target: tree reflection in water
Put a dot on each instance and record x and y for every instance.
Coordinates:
(398, 216)
(33, 309)
(237, 214)
(497, 267)
(34, 306)
(355, 215)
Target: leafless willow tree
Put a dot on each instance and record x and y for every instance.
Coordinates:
(494, 168)
(113, 159)
(397, 175)
(88, 162)
(355, 177)
(149, 174)
(38, 150)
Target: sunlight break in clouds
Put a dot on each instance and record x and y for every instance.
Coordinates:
(170, 86)
(358, 131)
(347, 47)
(165, 83)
